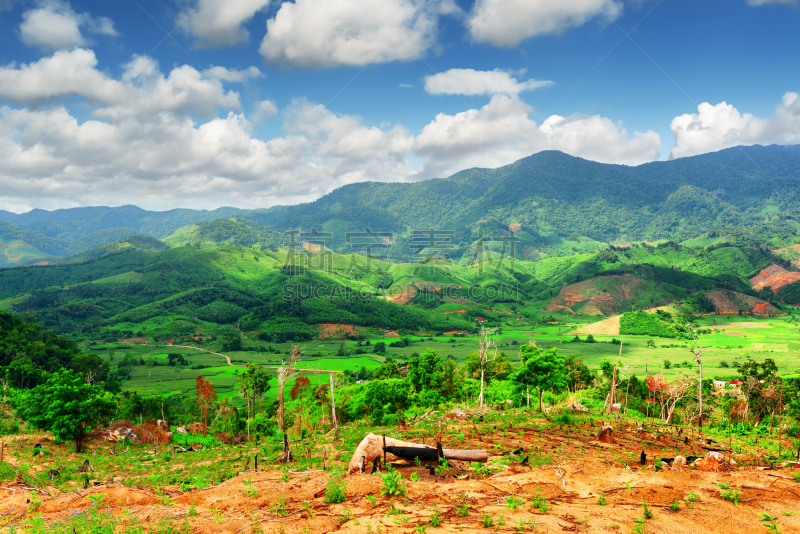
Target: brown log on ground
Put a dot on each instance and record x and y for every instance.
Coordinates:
(466, 455)
(372, 447)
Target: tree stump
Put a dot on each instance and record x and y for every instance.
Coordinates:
(287, 454)
(605, 434)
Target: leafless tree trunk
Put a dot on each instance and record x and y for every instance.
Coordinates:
(285, 372)
(487, 352)
(333, 411)
(698, 355)
(614, 381)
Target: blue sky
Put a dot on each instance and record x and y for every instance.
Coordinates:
(252, 103)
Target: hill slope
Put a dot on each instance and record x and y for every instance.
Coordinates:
(554, 203)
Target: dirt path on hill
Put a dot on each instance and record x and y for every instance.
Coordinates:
(195, 348)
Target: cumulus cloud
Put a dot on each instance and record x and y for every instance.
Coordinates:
(174, 138)
(723, 126)
(232, 75)
(507, 22)
(54, 25)
(179, 138)
(264, 110)
(502, 131)
(218, 23)
(324, 33)
(479, 82)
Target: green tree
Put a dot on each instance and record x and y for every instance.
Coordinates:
(66, 406)
(387, 370)
(423, 370)
(176, 359)
(379, 348)
(541, 370)
(579, 374)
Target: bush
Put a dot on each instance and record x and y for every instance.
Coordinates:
(336, 489)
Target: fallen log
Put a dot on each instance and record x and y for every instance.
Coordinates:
(371, 447)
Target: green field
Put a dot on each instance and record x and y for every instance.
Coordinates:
(777, 338)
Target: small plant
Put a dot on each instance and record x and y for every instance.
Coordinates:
(435, 520)
(770, 522)
(279, 507)
(692, 497)
(192, 509)
(285, 475)
(675, 506)
(250, 492)
(444, 467)
(463, 508)
(640, 525)
(346, 516)
(539, 502)
(524, 525)
(218, 514)
(308, 506)
(96, 499)
(336, 489)
(796, 477)
(401, 520)
(417, 461)
(421, 528)
(414, 477)
(501, 521)
(647, 511)
(601, 500)
(392, 484)
(487, 520)
(630, 488)
(372, 500)
(514, 502)
(729, 494)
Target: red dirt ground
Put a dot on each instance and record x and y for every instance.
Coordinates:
(774, 276)
(572, 486)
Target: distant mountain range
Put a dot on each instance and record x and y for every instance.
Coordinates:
(555, 204)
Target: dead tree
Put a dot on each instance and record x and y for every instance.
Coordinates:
(486, 354)
(285, 372)
(614, 382)
(698, 355)
(333, 410)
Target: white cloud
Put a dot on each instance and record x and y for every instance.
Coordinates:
(142, 89)
(507, 22)
(62, 74)
(264, 110)
(713, 128)
(325, 33)
(179, 138)
(756, 3)
(479, 82)
(218, 23)
(232, 75)
(53, 25)
(502, 131)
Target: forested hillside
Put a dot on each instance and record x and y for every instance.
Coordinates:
(552, 202)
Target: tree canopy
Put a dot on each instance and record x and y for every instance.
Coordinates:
(66, 405)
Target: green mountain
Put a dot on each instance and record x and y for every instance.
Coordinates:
(233, 231)
(554, 204)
